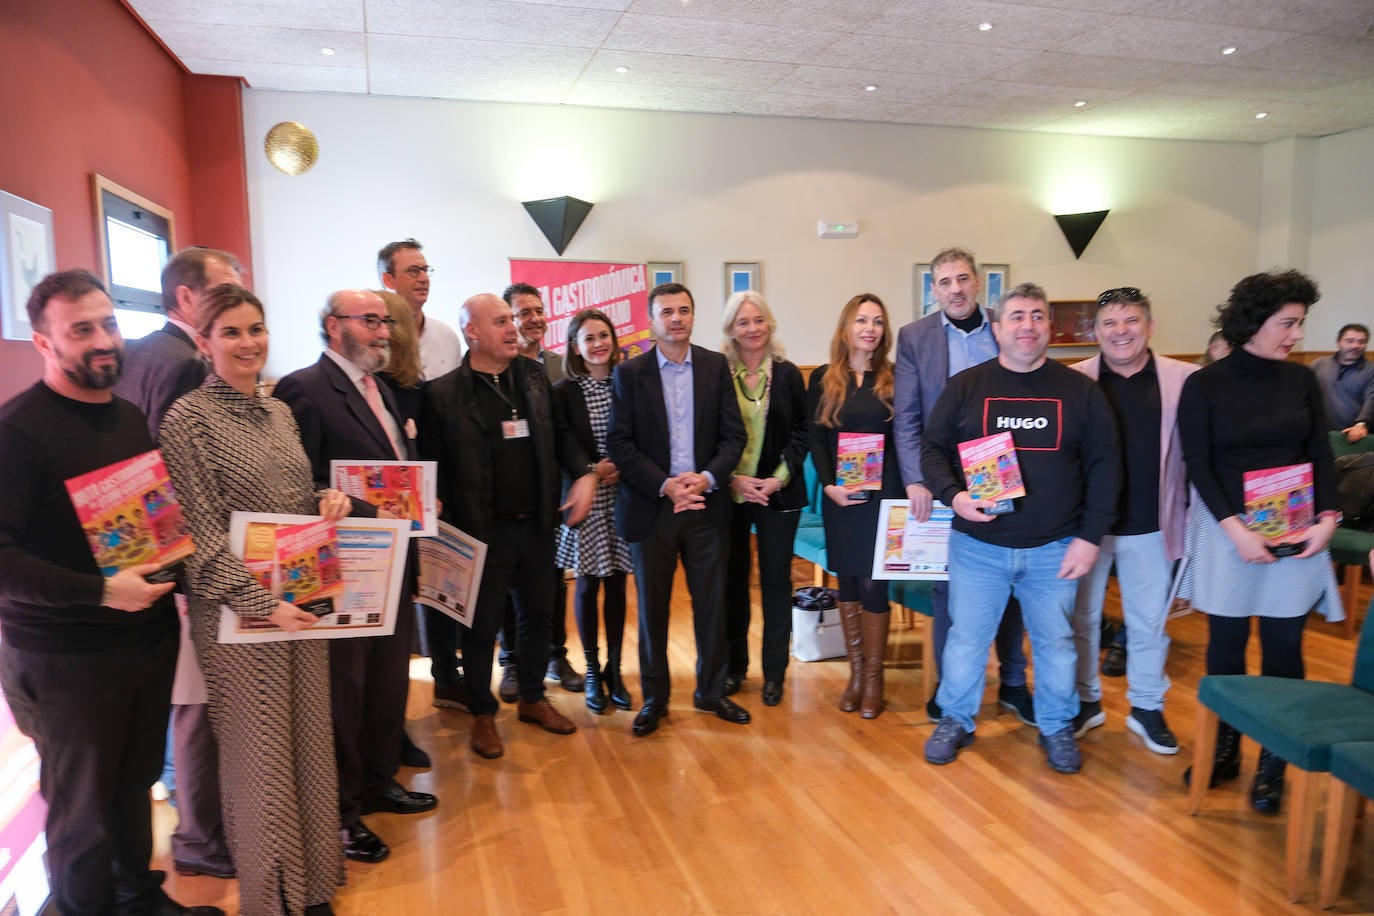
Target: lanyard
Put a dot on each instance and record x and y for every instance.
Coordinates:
(495, 384)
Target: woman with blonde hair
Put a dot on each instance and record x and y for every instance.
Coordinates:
(853, 395)
(767, 487)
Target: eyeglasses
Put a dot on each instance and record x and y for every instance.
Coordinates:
(415, 272)
(370, 321)
(1122, 294)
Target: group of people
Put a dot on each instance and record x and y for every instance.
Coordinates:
(604, 466)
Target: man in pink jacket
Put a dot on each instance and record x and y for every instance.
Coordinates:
(1147, 538)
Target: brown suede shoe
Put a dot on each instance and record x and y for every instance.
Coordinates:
(546, 717)
(484, 740)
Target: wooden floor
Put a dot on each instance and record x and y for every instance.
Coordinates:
(810, 810)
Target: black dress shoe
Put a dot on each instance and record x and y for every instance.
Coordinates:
(772, 693)
(724, 708)
(319, 909)
(397, 799)
(412, 755)
(170, 907)
(646, 722)
(362, 845)
(214, 866)
(732, 684)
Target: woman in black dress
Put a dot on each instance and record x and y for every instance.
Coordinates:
(768, 488)
(853, 395)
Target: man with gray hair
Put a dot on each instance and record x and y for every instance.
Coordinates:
(1064, 439)
(343, 413)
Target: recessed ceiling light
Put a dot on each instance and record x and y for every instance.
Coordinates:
(871, 87)
(327, 52)
(1228, 50)
(985, 26)
(1079, 104)
(622, 69)
(1262, 114)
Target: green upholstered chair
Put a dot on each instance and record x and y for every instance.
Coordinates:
(1300, 721)
(1350, 547)
(1352, 778)
(809, 543)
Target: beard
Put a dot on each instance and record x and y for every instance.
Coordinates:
(367, 358)
(82, 373)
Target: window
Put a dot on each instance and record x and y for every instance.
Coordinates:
(135, 242)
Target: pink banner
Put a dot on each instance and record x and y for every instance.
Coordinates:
(567, 287)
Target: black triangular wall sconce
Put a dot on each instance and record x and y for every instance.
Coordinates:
(558, 218)
(1079, 228)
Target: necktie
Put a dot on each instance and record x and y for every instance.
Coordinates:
(374, 400)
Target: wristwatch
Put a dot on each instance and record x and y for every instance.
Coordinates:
(1333, 513)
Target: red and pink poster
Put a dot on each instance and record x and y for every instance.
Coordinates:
(567, 287)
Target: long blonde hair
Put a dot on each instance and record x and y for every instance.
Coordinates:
(835, 384)
(404, 366)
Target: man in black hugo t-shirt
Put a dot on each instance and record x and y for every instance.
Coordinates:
(492, 427)
(1066, 443)
(86, 661)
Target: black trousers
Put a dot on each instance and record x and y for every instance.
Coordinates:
(700, 544)
(368, 682)
(558, 624)
(774, 533)
(99, 722)
(519, 567)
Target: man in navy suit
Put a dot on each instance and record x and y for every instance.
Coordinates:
(676, 436)
(158, 369)
(344, 414)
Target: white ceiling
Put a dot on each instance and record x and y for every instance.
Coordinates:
(1144, 68)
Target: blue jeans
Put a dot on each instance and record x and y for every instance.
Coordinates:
(1145, 573)
(982, 577)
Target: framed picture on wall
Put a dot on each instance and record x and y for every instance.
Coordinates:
(28, 253)
(741, 276)
(996, 281)
(663, 272)
(1073, 323)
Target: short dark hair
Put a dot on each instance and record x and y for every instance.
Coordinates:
(386, 258)
(1254, 300)
(187, 268)
(66, 284)
(221, 299)
(670, 289)
(574, 361)
(520, 289)
(1353, 326)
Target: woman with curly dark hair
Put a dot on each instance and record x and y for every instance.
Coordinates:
(1253, 411)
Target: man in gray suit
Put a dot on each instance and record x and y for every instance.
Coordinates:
(930, 351)
(158, 369)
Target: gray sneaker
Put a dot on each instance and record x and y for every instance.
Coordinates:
(1149, 724)
(1061, 751)
(1090, 715)
(1019, 701)
(943, 746)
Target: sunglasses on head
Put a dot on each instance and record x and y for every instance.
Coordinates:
(1121, 294)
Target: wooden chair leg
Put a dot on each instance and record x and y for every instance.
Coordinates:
(928, 681)
(817, 575)
(1350, 588)
(1204, 755)
(1340, 826)
(1303, 791)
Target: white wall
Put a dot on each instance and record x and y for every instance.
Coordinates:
(704, 189)
(1341, 251)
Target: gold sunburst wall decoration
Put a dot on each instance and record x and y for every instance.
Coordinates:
(291, 147)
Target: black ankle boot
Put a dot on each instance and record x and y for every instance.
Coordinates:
(591, 687)
(1267, 792)
(1226, 766)
(620, 694)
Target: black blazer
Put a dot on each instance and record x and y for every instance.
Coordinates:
(785, 435)
(158, 369)
(638, 437)
(453, 432)
(337, 424)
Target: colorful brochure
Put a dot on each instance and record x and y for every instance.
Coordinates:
(308, 566)
(992, 470)
(908, 549)
(404, 488)
(130, 514)
(1279, 502)
(451, 572)
(859, 461)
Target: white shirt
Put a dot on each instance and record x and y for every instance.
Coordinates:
(440, 350)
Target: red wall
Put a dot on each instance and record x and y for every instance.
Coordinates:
(84, 88)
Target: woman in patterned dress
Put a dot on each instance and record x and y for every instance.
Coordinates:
(768, 488)
(228, 448)
(592, 548)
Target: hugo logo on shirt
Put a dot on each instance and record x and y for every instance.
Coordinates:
(1036, 424)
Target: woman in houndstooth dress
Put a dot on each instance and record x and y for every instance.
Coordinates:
(593, 549)
(229, 448)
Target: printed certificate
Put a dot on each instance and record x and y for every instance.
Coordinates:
(451, 572)
(908, 549)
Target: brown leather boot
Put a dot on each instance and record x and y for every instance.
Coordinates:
(854, 647)
(875, 647)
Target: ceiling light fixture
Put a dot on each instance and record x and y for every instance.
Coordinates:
(871, 87)
(622, 69)
(985, 26)
(327, 52)
(1079, 104)
(1228, 50)
(1262, 115)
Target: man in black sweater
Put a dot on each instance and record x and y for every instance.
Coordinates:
(1065, 438)
(86, 661)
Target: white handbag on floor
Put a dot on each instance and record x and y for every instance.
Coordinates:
(817, 633)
